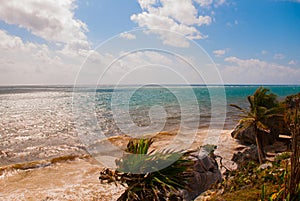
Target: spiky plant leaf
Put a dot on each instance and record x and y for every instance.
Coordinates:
(156, 184)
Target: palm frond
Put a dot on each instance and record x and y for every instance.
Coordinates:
(239, 108)
(243, 125)
(262, 127)
(247, 121)
(273, 111)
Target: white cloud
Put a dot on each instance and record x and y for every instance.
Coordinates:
(219, 2)
(182, 11)
(52, 20)
(128, 36)
(209, 3)
(158, 25)
(292, 62)
(279, 56)
(249, 71)
(124, 68)
(36, 63)
(146, 4)
(10, 43)
(179, 16)
(219, 53)
(158, 66)
(264, 52)
(205, 3)
(32, 63)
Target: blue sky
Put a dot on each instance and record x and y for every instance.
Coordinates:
(51, 42)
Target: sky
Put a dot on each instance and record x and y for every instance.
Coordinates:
(57, 42)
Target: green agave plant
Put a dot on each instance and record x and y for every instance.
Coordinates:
(139, 171)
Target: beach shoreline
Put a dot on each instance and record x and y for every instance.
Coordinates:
(40, 142)
(77, 178)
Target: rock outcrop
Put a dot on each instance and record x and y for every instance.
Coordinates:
(247, 135)
(248, 154)
(206, 172)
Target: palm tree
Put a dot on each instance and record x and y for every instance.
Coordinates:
(263, 106)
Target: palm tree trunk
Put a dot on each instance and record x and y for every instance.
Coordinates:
(295, 158)
(260, 151)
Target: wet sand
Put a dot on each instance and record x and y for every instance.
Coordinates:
(78, 179)
(69, 180)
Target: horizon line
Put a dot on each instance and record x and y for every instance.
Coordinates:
(128, 85)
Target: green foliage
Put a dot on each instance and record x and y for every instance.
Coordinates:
(139, 171)
(139, 146)
(292, 102)
(263, 192)
(255, 183)
(265, 99)
(282, 156)
(263, 106)
(279, 181)
(292, 118)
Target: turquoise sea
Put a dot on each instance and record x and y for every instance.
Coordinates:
(189, 104)
(38, 122)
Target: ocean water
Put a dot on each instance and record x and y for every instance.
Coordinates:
(38, 123)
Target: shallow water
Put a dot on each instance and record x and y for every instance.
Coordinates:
(36, 126)
(41, 122)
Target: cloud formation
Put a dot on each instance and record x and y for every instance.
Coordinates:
(250, 71)
(279, 56)
(55, 61)
(32, 63)
(179, 16)
(209, 3)
(219, 53)
(127, 35)
(293, 62)
(52, 20)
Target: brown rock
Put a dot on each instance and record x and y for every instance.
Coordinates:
(247, 135)
(248, 154)
(206, 173)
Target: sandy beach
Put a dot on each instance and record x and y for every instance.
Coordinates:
(77, 179)
(42, 157)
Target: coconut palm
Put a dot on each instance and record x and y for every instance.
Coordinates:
(263, 106)
(151, 183)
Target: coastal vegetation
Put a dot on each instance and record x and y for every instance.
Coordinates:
(292, 118)
(140, 172)
(163, 175)
(277, 179)
(263, 107)
(265, 178)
